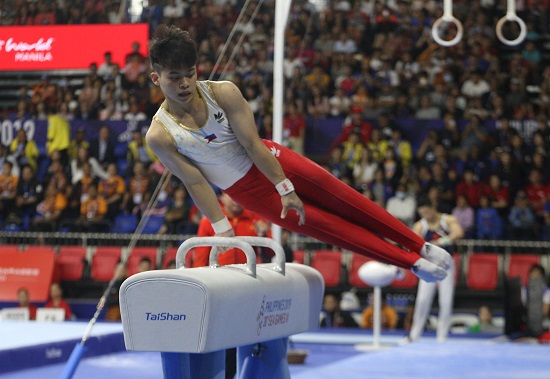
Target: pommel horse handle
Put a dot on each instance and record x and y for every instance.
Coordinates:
(270, 243)
(243, 243)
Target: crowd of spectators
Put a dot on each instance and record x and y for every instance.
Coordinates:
(367, 63)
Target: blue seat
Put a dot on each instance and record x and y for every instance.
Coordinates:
(125, 223)
(12, 228)
(153, 224)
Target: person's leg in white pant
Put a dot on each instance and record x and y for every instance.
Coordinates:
(423, 304)
(446, 297)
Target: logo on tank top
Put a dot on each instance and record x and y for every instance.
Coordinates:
(276, 152)
(219, 117)
(209, 138)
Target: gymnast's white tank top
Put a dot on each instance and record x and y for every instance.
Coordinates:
(433, 234)
(214, 148)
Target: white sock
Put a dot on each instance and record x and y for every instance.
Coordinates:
(428, 271)
(437, 255)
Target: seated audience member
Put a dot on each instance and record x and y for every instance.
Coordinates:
(332, 316)
(388, 317)
(137, 187)
(177, 213)
(470, 187)
(522, 219)
(78, 142)
(92, 212)
(29, 193)
(56, 300)
(8, 189)
(24, 302)
(23, 150)
(102, 149)
(402, 205)
(488, 221)
(465, 216)
(144, 264)
(78, 162)
(139, 151)
(112, 188)
(485, 322)
(49, 210)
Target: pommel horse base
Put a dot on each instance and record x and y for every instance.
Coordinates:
(192, 315)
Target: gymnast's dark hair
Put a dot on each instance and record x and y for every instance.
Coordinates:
(172, 48)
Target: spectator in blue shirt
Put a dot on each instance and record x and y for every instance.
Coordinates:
(488, 221)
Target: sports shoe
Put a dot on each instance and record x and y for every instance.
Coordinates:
(436, 255)
(428, 271)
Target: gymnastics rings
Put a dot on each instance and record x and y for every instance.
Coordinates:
(512, 17)
(447, 17)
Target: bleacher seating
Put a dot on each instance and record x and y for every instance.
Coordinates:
(298, 256)
(329, 264)
(483, 271)
(104, 261)
(153, 224)
(71, 262)
(125, 223)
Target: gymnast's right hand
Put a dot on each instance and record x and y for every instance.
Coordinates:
(292, 201)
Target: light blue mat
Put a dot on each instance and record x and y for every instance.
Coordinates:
(454, 359)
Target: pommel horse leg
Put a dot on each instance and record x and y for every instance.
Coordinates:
(192, 316)
(263, 360)
(186, 366)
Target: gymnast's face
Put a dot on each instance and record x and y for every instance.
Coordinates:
(178, 85)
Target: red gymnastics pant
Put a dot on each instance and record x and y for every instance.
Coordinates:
(335, 213)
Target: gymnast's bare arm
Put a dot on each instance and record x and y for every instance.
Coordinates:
(198, 187)
(241, 119)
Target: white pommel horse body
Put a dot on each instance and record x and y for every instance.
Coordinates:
(192, 315)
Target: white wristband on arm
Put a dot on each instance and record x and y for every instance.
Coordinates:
(221, 226)
(285, 187)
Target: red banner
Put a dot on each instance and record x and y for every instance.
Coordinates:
(61, 47)
(32, 270)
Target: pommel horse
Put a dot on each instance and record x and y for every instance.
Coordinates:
(192, 315)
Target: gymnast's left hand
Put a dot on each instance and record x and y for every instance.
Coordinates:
(292, 201)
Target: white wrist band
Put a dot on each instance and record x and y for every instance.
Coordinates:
(221, 226)
(285, 187)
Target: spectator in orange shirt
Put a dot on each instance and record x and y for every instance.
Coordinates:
(92, 211)
(388, 317)
(24, 302)
(56, 300)
(112, 189)
(244, 223)
(138, 185)
(8, 189)
(49, 210)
